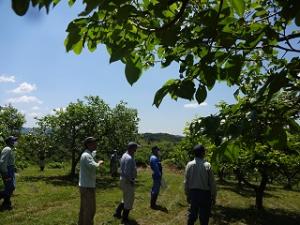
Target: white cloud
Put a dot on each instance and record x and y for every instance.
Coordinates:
(7, 79)
(24, 88)
(35, 108)
(25, 99)
(195, 105)
(34, 114)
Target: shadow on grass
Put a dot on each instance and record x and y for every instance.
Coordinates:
(226, 216)
(244, 191)
(65, 180)
(104, 182)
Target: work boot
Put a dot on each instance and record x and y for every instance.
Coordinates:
(6, 205)
(153, 201)
(119, 209)
(125, 216)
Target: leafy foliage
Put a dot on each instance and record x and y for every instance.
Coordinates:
(253, 135)
(69, 127)
(226, 40)
(11, 121)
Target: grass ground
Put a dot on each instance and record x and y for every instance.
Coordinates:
(49, 198)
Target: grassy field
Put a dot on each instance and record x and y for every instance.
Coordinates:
(50, 198)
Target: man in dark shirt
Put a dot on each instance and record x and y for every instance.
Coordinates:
(156, 168)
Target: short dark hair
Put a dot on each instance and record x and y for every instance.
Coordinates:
(155, 148)
(10, 140)
(199, 150)
(132, 145)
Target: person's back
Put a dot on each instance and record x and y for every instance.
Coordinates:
(6, 159)
(128, 167)
(198, 170)
(200, 187)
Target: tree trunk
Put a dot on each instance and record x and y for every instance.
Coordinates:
(289, 183)
(259, 191)
(73, 167)
(221, 174)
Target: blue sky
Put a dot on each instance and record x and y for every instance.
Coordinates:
(37, 75)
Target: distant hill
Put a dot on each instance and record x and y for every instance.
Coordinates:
(26, 130)
(160, 137)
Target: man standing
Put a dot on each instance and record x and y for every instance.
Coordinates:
(200, 187)
(156, 175)
(7, 169)
(127, 182)
(114, 163)
(87, 183)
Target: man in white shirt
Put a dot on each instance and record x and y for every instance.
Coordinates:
(199, 187)
(87, 182)
(127, 181)
(7, 171)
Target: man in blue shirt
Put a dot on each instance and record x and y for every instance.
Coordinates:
(156, 175)
(7, 170)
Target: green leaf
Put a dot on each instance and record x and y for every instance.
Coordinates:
(186, 89)
(125, 11)
(239, 6)
(201, 94)
(209, 75)
(20, 6)
(132, 73)
(71, 2)
(77, 48)
(279, 81)
(163, 91)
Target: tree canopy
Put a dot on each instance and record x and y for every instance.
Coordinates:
(210, 40)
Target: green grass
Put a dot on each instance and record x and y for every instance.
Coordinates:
(50, 198)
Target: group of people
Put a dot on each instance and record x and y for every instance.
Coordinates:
(199, 182)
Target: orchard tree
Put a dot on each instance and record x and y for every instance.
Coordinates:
(209, 40)
(254, 133)
(92, 117)
(11, 121)
(123, 127)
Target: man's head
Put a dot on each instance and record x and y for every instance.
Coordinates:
(155, 150)
(199, 151)
(132, 147)
(11, 140)
(90, 143)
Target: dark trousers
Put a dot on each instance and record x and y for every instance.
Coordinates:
(9, 185)
(200, 205)
(87, 206)
(156, 186)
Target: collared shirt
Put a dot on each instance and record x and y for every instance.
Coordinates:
(156, 167)
(128, 167)
(198, 175)
(88, 167)
(7, 158)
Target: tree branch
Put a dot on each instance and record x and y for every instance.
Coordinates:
(289, 37)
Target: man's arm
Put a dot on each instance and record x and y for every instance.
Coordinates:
(91, 162)
(186, 180)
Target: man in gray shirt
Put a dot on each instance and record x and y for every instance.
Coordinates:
(87, 183)
(7, 170)
(199, 187)
(127, 182)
